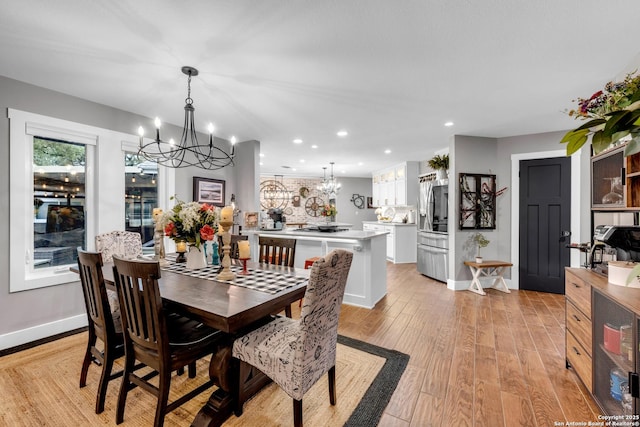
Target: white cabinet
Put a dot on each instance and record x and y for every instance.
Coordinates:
(401, 240)
(396, 186)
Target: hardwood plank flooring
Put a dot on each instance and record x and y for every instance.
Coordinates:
(494, 360)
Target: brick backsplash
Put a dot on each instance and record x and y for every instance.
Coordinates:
(299, 213)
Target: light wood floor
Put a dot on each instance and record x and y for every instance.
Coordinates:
(475, 360)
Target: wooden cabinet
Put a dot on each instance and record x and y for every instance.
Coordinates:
(615, 180)
(579, 342)
(402, 240)
(602, 337)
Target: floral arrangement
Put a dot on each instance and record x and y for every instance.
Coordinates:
(613, 114)
(191, 222)
(329, 210)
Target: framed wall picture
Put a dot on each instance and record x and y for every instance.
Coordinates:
(477, 201)
(251, 219)
(207, 190)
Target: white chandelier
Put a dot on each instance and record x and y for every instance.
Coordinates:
(188, 152)
(330, 186)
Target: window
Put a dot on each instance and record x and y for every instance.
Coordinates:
(48, 151)
(141, 196)
(49, 159)
(58, 201)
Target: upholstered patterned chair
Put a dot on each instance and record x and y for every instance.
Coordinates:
(296, 353)
(121, 243)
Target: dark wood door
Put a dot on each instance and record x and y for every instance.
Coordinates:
(545, 219)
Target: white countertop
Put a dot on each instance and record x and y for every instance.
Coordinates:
(315, 235)
(399, 224)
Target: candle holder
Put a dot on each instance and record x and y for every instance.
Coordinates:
(244, 271)
(226, 273)
(181, 257)
(158, 239)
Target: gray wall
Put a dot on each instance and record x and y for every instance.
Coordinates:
(40, 306)
(347, 211)
(494, 156)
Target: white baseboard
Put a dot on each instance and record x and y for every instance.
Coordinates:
(24, 336)
(463, 285)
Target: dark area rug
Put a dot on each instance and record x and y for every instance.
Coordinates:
(375, 400)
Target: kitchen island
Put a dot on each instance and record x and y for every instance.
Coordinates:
(367, 282)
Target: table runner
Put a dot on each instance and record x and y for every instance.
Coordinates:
(260, 280)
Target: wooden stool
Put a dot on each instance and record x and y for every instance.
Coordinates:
(307, 265)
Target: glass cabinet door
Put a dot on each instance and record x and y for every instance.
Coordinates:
(607, 186)
(614, 335)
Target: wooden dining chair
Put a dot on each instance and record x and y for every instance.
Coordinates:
(274, 250)
(278, 251)
(126, 244)
(104, 324)
(234, 253)
(296, 353)
(162, 341)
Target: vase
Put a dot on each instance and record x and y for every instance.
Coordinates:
(196, 258)
(478, 260)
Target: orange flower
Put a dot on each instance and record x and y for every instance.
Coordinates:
(207, 232)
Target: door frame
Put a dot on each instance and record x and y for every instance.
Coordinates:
(576, 217)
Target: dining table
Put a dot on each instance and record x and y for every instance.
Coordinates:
(233, 307)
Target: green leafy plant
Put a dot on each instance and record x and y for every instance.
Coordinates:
(480, 241)
(612, 113)
(439, 162)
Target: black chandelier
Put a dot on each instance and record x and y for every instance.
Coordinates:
(188, 152)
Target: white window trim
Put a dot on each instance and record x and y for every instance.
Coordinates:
(23, 126)
(103, 179)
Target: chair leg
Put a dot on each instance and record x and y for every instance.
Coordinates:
(297, 413)
(107, 365)
(287, 311)
(87, 360)
(124, 387)
(332, 385)
(163, 397)
(192, 370)
(180, 370)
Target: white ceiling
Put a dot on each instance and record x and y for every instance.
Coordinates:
(389, 72)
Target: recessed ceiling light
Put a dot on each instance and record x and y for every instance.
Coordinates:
(297, 141)
(314, 146)
(448, 124)
(261, 164)
(360, 163)
(301, 160)
(293, 169)
(387, 151)
(343, 171)
(342, 133)
(261, 155)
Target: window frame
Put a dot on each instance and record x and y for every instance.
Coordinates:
(104, 187)
(23, 127)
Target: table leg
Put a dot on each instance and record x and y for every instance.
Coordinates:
(224, 371)
(476, 286)
(499, 280)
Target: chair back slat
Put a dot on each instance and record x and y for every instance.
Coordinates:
(277, 251)
(143, 317)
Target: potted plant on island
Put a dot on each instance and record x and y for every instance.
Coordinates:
(440, 164)
(480, 242)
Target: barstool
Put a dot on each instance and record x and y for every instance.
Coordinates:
(307, 265)
(309, 261)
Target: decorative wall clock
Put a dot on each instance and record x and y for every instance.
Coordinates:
(313, 205)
